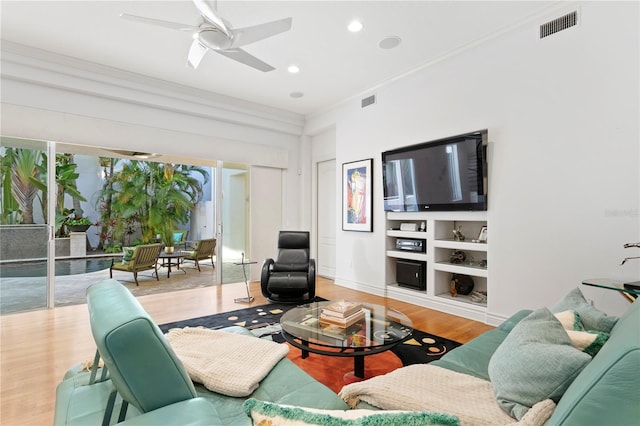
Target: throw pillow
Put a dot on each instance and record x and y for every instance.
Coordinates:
(269, 413)
(592, 318)
(536, 361)
(127, 254)
(570, 320)
(177, 237)
(589, 341)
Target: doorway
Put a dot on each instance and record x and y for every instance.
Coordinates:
(26, 231)
(326, 218)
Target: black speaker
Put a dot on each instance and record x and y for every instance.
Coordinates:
(411, 273)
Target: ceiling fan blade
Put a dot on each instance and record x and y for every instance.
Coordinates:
(248, 35)
(246, 58)
(159, 22)
(196, 53)
(211, 15)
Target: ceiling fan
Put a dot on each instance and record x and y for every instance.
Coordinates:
(214, 33)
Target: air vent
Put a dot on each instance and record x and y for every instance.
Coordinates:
(368, 101)
(562, 23)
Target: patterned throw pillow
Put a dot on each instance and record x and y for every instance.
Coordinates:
(127, 254)
(270, 413)
(177, 237)
(588, 341)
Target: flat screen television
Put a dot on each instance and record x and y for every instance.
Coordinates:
(447, 174)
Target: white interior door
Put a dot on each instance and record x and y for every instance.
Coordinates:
(326, 253)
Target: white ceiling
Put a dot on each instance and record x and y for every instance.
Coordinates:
(335, 64)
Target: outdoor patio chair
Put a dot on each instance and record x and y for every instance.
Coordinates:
(144, 258)
(204, 250)
(180, 238)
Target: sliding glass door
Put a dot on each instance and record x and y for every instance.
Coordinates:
(27, 244)
(234, 247)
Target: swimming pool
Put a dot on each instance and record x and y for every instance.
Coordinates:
(63, 267)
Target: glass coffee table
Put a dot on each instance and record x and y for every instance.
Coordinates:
(381, 329)
(630, 291)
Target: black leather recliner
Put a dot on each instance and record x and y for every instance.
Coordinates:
(292, 277)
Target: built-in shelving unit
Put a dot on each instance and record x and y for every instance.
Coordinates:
(440, 244)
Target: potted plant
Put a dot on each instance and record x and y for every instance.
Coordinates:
(166, 235)
(78, 224)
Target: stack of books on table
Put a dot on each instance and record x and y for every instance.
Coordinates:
(342, 314)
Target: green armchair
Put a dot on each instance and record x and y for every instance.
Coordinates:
(144, 257)
(204, 250)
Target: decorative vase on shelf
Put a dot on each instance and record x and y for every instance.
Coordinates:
(168, 250)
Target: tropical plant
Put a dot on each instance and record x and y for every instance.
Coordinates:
(154, 195)
(166, 235)
(10, 212)
(23, 173)
(65, 177)
(107, 224)
(78, 222)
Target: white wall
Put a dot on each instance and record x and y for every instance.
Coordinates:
(564, 182)
(266, 215)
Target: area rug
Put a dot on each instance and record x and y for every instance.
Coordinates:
(264, 321)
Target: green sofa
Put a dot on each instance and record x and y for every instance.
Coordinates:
(144, 371)
(144, 375)
(606, 391)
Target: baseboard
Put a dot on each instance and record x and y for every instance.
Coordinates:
(354, 285)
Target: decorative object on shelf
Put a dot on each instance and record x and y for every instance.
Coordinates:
(423, 227)
(461, 284)
(478, 296)
(458, 257)
(483, 263)
(457, 234)
(412, 227)
(357, 179)
(482, 236)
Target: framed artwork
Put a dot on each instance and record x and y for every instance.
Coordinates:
(357, 180)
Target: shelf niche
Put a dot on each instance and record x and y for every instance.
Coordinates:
(440, 244)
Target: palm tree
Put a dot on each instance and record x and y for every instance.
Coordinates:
(10, 208)
(66, 176)
(23, 172)
(104, 203)
(155, 195)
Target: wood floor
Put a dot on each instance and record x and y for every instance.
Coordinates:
(36, 348)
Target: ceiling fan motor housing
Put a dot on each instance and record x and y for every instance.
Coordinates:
(214, 39)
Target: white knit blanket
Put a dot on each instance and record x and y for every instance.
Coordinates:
(426, 387)
(226, 363)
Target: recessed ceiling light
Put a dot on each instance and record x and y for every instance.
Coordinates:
(390, 42)
(293, 69)
(355, 26)
(296, 95)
